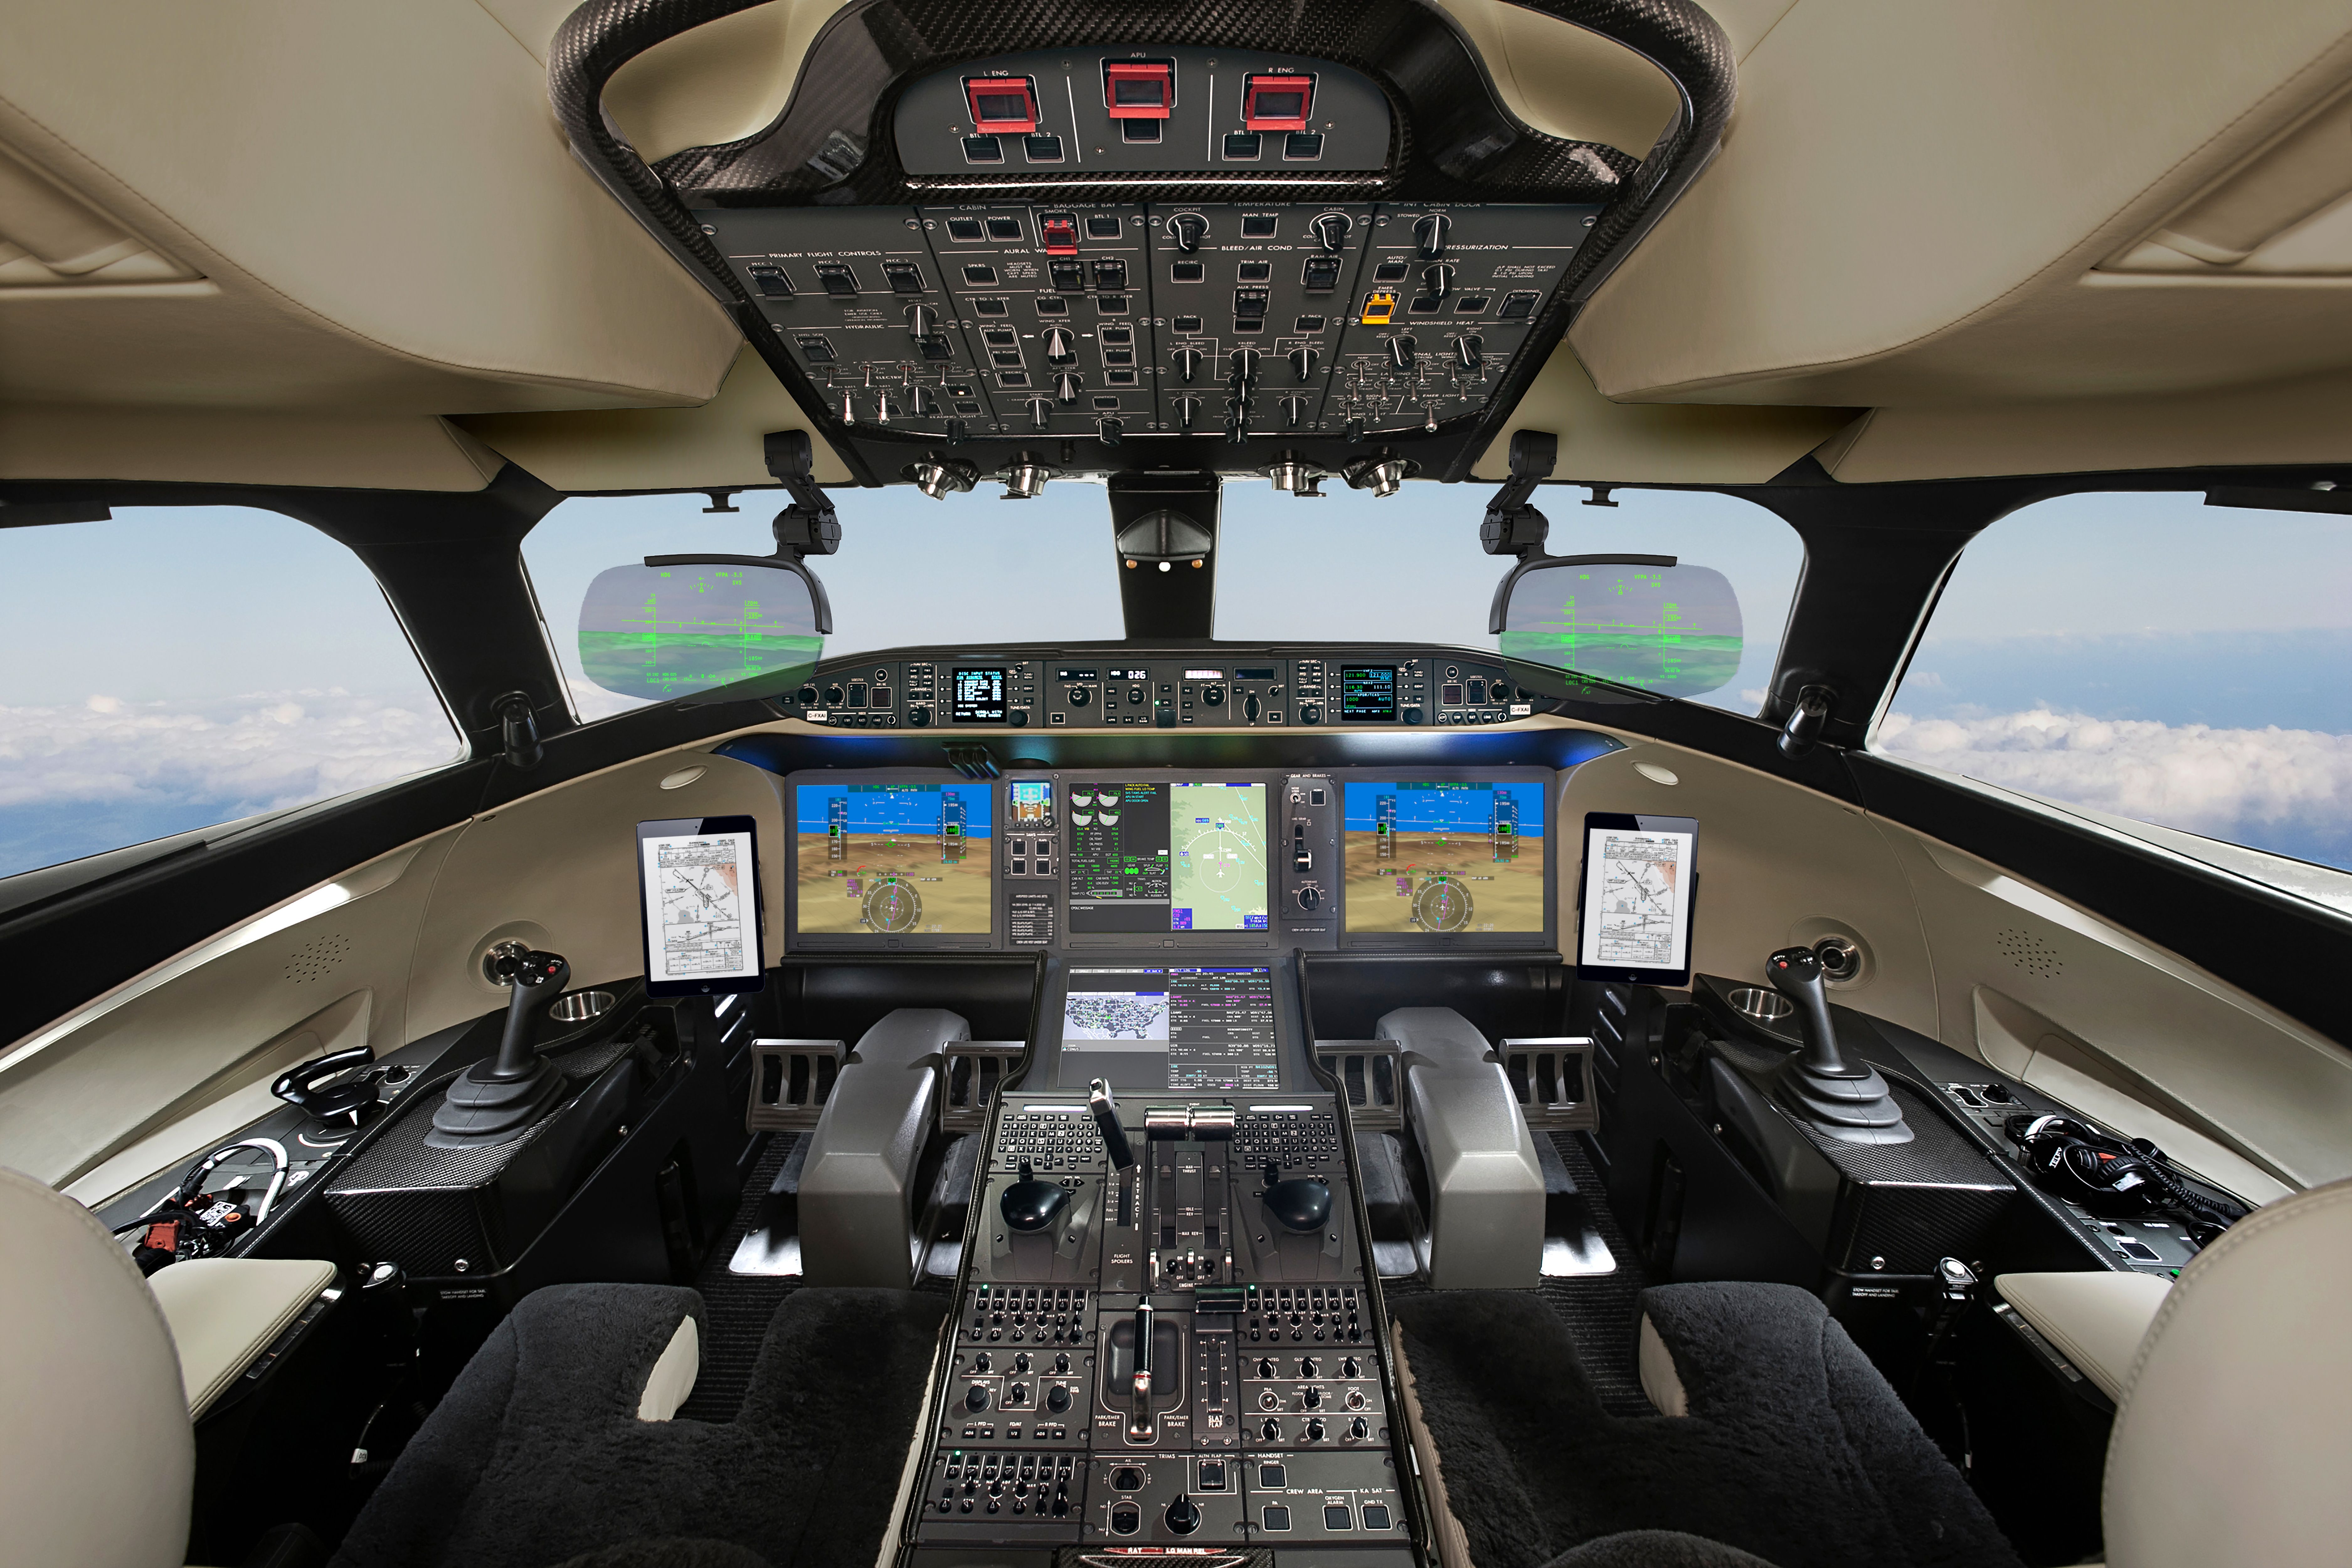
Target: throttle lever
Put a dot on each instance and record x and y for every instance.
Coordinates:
(299, 1086)
(1106, 1115)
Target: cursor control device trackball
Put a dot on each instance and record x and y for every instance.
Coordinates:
(501, 1098)
(1845, 1100)
(1032, 1204)
(1301, 1204)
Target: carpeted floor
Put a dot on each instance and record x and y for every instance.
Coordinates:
(1794, 1448)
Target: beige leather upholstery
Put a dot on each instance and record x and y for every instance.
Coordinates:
(224, 1311)
(672, 1378)
(1660, 1381)
(2234, 1439)
(2096, 1320)
(97, 1458)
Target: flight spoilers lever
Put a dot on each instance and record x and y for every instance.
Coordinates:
(1106, 1115)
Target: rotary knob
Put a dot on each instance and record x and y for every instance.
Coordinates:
(1312, 1398)
(1265, 1366)
(1307, 1366)
(1188, 363)
(1311, 898)
(921, 402)
(1040, 412)
(975, 1397)
(1021, 1362)
(1314, 1430)
(1302, 364)
(1058, 1398)
(1214, 697)
(1270, 1430)
(1062, 1363)
(1187, 409)
(1331, 230)
(1060, 347)
(1184, 1515)
(1294, 412)
(1429, 234)
(1469, 353)
(1360, 1428)
(1188, 228)
(1400, 350)
(1244, 366)
(921, 321)
(1066, 387)
(1079, 697)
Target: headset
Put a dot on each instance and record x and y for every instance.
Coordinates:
(2109, 1176)
(191, 1223)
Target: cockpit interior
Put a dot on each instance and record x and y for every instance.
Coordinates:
(1633, 855)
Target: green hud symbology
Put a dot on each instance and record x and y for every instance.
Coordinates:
(1674, 630)
(681, 631)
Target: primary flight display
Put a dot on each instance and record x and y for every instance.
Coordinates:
(1443, 856)
(1166, 856)
(893, 858)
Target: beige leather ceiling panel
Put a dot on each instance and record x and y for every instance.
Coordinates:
(1652, 443)
(239, 447)
(660, 448)
(1914, 199)
(381, 195)
(2307, 421)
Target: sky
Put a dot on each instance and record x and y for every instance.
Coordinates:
(2143, 654)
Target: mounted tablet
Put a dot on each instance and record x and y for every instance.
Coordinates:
(698, 889)
(1634, 898)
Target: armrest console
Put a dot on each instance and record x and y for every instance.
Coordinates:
(2096, 1320)
(856, 1194)
(224, 1312)
(1486, 1224)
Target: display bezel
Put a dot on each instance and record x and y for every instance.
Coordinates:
(722, 985)
(1168, 941)
(1546, 939)
(1638, 823)
(794, 941)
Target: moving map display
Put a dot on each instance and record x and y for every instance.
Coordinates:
(699, 880)
(1171, 1028)
(1635, 918)
(877, 860)
(1443, 856)
(1159, 856)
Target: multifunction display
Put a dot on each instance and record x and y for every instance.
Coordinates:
(1445, 856)
(978, 696)
(1171, 1028)
(1165, 856)
(893, 858)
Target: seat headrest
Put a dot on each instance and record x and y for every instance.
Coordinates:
(96, 1458)
(2233, 1438)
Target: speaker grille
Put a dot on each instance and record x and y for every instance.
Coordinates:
(316, 959)
(2030, 952)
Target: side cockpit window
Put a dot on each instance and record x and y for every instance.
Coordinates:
(2173, 669)
(175, 669)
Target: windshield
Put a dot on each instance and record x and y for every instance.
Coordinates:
(1346, 566)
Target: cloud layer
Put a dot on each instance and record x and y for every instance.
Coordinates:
(2288, 791)
(147, 769)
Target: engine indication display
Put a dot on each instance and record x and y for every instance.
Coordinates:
(886, 859)
(1445, 856)
(1155, 856)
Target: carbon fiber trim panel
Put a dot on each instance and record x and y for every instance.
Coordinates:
(1907, 1204)
(1454, 141)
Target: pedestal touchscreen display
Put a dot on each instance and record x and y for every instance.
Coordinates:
(1171, 1028)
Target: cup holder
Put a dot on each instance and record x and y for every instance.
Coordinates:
(581, 1005)
(1764, 1006)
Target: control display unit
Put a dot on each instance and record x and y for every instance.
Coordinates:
(1635, 898)
(698, 889)
(1177, 1029)
(1368, 694)
(892, 857)
(1445, 856)
(1166, 856)
(979, 695)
